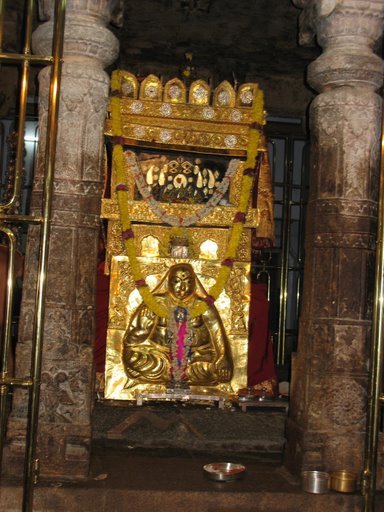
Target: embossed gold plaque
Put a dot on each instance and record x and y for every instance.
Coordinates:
(232, 305)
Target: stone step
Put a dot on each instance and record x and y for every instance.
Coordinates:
(142, 481)
(257, 428)
(80, 499)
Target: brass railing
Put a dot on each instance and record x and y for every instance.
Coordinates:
(8, 220)
(285, 244)
(375, 398)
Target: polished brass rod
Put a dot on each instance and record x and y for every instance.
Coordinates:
(300, 242)
(20, 137)
(28, 28)
(376, 356)
(7, 332)
(298, 294)
(32, 219)
(20, 57)
(15, 381)
(22, 110)
(285, 241)
(50, 153)
(2, 5)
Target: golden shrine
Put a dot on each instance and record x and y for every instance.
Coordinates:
(180, 229)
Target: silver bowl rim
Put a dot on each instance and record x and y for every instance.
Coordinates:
(315, 474)
(221, 470)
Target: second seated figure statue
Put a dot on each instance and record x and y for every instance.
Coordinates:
(179, 351)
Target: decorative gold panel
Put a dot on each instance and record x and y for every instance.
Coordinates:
(160, 117)
(197, 237)
(129, 85)
(232, 305)
(224, 95)
(151, 88)
(220, 216)
(140, 212)
(199, 93)
(175, 91)
(245, 94)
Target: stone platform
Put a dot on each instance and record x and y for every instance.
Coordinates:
(199, 427)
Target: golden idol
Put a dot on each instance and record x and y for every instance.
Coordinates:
(178, 177)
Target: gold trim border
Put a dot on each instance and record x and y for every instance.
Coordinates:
(140, 212)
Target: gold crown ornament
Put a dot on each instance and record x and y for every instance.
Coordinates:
(198, 119)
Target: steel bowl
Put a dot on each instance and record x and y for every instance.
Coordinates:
(316, 482)
(343, 481)
(224, 471)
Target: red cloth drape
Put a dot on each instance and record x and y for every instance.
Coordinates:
(102, 299)
(261, 366)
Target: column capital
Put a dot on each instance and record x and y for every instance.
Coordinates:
(107, 10)
(348, 31)
(86, 36)
(312, 11)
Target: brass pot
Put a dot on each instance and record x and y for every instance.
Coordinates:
(343, 481)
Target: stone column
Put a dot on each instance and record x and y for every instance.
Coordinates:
(327, 420)
(66, 389)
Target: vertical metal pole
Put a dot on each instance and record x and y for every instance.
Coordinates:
(376, 358)
(1, 23)
(22, 108)
(285, 243)
(54, 94)
(301, 232)
(7, 335)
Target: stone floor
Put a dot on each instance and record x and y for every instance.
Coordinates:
(142, 480)
(151, 458)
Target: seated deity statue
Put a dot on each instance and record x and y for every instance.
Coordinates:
(180, 350)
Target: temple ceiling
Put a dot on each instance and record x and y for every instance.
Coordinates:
(227, 38)
(230, 40)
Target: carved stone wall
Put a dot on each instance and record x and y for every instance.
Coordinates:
(66, 381)
(326, 429)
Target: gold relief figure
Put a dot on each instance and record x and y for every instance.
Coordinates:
(156, 350)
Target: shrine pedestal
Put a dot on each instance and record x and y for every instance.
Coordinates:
(209, 427)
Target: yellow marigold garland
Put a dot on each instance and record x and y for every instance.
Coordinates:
(237, 228)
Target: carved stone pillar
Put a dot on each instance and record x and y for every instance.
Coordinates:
(329, 383)
(66, 389)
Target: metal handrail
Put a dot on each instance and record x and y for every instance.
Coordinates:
(4, 387)
(53, 113)
(22, 107)
(285, 245)
(32, 383)
(376, 356)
